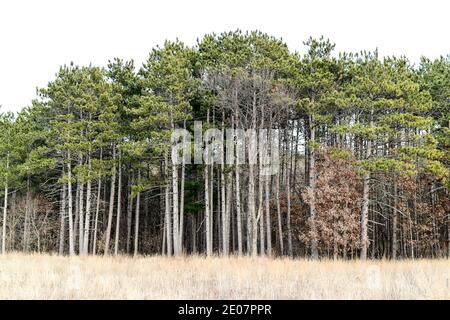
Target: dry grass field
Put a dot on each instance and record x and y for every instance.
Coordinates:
(53, 277)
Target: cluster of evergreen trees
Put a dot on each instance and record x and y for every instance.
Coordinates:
(363, 142)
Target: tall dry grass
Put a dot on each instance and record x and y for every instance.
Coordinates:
(52, 277)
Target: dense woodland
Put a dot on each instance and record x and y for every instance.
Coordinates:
(87, 168)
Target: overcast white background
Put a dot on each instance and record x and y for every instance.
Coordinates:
(36, 37)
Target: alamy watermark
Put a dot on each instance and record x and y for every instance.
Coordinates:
(228, 146)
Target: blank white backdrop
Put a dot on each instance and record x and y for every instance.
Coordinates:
(36, 37)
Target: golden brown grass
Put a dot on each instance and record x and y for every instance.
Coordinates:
(52, 277)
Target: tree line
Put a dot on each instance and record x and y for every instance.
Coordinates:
(363, 142)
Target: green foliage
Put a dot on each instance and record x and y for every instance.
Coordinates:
(86, 111)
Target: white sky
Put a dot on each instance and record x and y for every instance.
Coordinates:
(36, 37)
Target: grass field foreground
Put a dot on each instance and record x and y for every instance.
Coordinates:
(52, 277)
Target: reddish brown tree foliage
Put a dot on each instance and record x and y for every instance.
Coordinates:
(337, 200)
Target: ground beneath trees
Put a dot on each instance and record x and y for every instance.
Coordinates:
(52, 277)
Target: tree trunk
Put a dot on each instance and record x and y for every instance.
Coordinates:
(136, 218)
(168, 223)
(183, 169)
(268, 219)
(26, 226)
(312, 185)
(260, 205)
(238, 204)
(69, 192)
(76, 222)
(111, 204)
(237, 176)
(97, 212)
(81, 219)
(394, 223)
(119, 206)
(253, 224)
(288, 222)
(280, 225)
(224, 194)
(365, 210)
(207, 206)
(207, 213)
(129, 210)
(251, 182)
(62, 229)
(88, 209)
(5, 207)
(229, 191)
(176, 223)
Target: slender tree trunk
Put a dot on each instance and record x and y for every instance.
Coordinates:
(335, 250)
(238, 190)
(267, 200)
(260, 204)
(62, 229)
(224, 194)
(129, 210)
(168, 219)
(176, 223)
(97, 209)
(288, 222)
(119, 206)
(312, 185)
(237, 175)
(211, 205)
(365, 210)
(229, 191)
(207, 206)
(262, 153)
(88, 209)
(12, 235)
(218, 214)
(252, 227)
(81, 219)
(136, 218)
(26, 227)
(183, 169)
(394, 223)
(448, 241)
(238, 204)
(448, 223)
(5, 207)
(76, 222)
(111, 204)
(251, 182)
(280, 224)
(163, 247)
(69, 192)
(207, 213)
